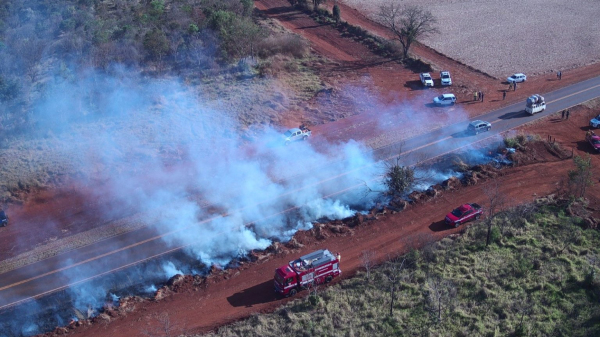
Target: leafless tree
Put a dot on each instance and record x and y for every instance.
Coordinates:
(367, 259)
(524, 308)
(496, 203)
(394, 273)
(441, 295)
(407, 23)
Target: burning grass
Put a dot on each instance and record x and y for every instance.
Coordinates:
(536, 277)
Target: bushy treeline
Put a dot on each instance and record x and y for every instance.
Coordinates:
(42, 39)
(539, 277)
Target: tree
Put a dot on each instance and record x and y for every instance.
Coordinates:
(496, 203)
(581, 177)
(407, 23)
(440, 294)
(336, 13)
(156, 44)
(394, 273)
(399, 179)
(367, 259)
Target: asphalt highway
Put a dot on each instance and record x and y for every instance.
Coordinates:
(99, 259)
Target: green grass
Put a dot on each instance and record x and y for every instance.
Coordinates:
(536, 279)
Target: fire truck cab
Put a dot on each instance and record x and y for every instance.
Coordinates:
(314, 268)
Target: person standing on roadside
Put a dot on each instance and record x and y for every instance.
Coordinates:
(568, 113)
(563, 115)
(475, 96)
(481, 96)
(560, 75)
(503, 95)
(515, 86)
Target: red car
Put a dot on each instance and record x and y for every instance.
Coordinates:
(464, 213)
(594, 140)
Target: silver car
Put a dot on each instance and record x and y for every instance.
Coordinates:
(479, 126)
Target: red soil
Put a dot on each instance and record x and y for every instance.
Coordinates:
(239, 293)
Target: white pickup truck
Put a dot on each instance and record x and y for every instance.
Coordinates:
(426, 79)
(535, 104)
(301, 133)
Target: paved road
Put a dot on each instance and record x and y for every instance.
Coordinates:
(96, 260)
(454, 137)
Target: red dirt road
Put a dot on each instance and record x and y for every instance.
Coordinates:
(353, 72)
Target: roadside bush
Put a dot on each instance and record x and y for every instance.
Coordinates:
(517, 141)
(288, 44)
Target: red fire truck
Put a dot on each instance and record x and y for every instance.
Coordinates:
(314, 268)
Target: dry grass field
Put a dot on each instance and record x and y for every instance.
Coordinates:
(504, 37)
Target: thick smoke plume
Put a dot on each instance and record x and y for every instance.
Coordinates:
(154, 146)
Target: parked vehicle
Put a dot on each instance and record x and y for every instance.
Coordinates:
(534, 104)
(517, 78)
(593, 139)
(445, 78)
(595, 122)
(301, 133)
(464, 213)
(426, 79)
(3, 219)
(479, 126)
(444, 99)
(314, 268)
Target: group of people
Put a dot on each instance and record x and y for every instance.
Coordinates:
(478, 96)
(565, 113)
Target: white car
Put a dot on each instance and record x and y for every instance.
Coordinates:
(445, 99)
(445, 78)
(595, 122)
(517, 78)
(426, 79)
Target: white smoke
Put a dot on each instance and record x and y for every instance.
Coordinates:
(170, 270)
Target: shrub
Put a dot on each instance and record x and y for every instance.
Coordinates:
(289, 44)
(336, 13)
(495, 235)
(193, 28)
